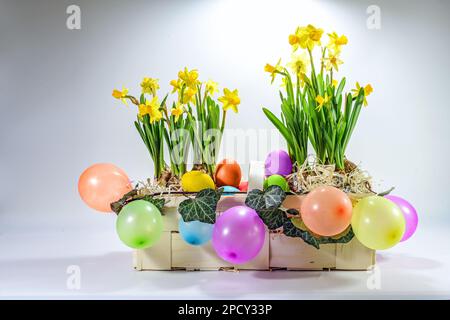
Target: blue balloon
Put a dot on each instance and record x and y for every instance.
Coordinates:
(229, 191)
(195, 233)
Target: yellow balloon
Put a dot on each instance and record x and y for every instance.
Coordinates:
(378, 223)
(195, 181)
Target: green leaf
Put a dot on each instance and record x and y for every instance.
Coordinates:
(271, 198)
(292, 231)
(202, 208)
(272, 218)
(280, 126)
(344, 239)
(293, 212)
(132, 196)
(158, 202)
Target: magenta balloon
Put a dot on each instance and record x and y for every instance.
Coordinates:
(278, 162)
(238, 235)
(409, 213)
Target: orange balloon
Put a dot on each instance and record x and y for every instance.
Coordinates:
(228, 173)
(101, 184)
(326, 211)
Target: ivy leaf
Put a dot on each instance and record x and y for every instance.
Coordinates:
(343, 239)
(271, 198)
(293, 212)
(272, 218)
(292, 231)
(158, 202)
(202, 208)
(132, 196)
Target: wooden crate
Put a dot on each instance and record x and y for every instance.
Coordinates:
(278, 252)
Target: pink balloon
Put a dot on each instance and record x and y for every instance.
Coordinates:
(326, 211)
(238, 235)
(101, 184)
(409, 213)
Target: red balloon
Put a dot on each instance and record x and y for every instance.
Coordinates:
(101, 184)
(326, 211)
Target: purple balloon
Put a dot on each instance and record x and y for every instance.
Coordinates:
(238, 235)
(409, 213)
(278, 162)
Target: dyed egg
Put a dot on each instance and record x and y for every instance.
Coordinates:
(278, 162)
(228, 173)
(276, 180)
(229, 190)
(195, 181)
(243, 186)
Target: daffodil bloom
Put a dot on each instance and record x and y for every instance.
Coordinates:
(306, 37)
(336, 41)
(321, 101)
(190, 78)
(333, 61)
(367, 91)
(273, 70)
(211, 87)
(151, 107)
(188, 95)
(176, 84)
(334, 83)
(150, 85)
(121, 94)
(299, 64)
(177, 111)
(230, 100)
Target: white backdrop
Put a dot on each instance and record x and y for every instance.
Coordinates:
(58, 116)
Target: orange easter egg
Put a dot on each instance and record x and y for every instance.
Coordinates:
(228, 173)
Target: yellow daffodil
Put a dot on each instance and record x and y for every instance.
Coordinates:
(273, 70)
(150, 107)
(299, 64)
(121, 94)
(177, 111)
(211, 87)
(367, 91)
(230, 99)
(321, 101)
(150, 85)
(176, 84)
(190, 78)
(333, 61)
(336, 41)
(188, 95)
(334, 83)
(305, 37)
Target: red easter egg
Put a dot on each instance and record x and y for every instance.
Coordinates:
(228, 173)
(243, 186)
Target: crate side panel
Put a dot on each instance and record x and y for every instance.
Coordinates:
(294, 253)
(354, 256)
(157, 257)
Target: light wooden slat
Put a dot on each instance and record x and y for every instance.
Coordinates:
(205, 258)
(294, 253)
(157, 257)
(354, 256)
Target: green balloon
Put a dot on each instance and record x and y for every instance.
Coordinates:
(276, 180)
(139, 224)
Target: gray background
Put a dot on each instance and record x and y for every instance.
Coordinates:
(58, 116)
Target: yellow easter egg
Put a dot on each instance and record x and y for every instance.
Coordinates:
(195, 181)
